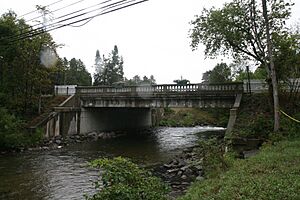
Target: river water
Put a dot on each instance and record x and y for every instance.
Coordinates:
(63, 174)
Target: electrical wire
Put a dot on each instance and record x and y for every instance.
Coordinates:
(27, 32)
(99, 13)
(67, 6)
(110, 10)
(36, 10)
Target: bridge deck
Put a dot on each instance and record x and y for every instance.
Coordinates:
(158, 96)
(161, 90)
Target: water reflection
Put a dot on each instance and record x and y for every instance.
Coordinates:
(63, 174)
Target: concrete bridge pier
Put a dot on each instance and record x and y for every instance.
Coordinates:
(109, 119)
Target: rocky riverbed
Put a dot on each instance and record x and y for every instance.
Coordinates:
(58, 142)
(181, 171)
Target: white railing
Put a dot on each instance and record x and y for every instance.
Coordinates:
(169, 88)
(65, 89)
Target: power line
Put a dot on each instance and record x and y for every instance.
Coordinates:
(27, 32)
(80, 10)
(36, 10)
(69, 5)
(41, 31)
(88, 20)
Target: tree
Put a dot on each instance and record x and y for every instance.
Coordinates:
(288, 58)
(259, 73)
(271, 66)
(240, 29)
(22, 76)
(112, 69)
(98, 67)
(136, 80)
(221, 73)
(76, 74)
(152, 80)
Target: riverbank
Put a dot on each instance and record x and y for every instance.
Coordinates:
(271, 174)
(271, 170)
(189, 165)
(189, 117)
(58, 142)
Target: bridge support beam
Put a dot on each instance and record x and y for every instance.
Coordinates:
(233, 114)
(109, 119)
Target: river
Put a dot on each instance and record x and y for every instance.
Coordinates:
(63, 174)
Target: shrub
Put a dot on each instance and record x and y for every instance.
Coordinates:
(212, 152)
(289, 127)
(12, 135)
(123, 180)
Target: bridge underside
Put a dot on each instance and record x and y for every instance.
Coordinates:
(108, 119)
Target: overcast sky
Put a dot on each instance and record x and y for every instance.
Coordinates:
(152, 37)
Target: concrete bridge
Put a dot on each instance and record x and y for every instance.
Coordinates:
(102, 108)
(160, 96)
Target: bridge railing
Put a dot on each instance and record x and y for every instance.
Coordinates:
(235, 88)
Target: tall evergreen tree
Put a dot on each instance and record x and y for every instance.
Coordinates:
(77, 73)
(98, 62)
(112, 69)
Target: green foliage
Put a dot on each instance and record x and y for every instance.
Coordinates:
(272, 174)
(259, 73)
(136, 81)
(192, 117)
(254, 119)
(287, 60)
(111, 69)
(212, 153)
(22, 76)
(76, 73)
(290, 128)
(12, 134)
(238, 29)
(124, 180)
(221, 73)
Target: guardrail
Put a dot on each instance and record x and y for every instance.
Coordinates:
(235, 88)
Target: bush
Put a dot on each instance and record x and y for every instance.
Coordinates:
(212, 152)
(289, 127)
(12, 134)
(123, 180)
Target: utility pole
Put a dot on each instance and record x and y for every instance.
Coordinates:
(1, 71)
(272, 68)
(248, 84)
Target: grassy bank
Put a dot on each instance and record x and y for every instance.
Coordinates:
(255, 118)
(272, 174)
(188, 117)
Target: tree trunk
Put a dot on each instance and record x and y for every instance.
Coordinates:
(272, 67)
